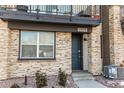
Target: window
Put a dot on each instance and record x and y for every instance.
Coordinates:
(64, 9)
(37, 45)
(51, 8)
(97, 10)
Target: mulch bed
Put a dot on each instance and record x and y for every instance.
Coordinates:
(52, 82)
(110, 83)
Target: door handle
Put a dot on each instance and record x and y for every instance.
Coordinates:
(79, 51)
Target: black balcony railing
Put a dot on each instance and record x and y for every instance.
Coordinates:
(73, 10)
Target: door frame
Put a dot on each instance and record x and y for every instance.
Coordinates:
(81, 49)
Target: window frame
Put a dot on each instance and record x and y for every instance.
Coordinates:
(37, 47)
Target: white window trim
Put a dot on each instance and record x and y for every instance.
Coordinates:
(37, 52)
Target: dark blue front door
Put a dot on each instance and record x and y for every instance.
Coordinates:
(76, 52)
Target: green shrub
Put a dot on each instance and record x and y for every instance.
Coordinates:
(62, 77)
(15, 86)
(41, 79)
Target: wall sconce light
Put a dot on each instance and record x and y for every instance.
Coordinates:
(85, 39)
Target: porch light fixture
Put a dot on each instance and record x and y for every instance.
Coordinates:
(85, 39)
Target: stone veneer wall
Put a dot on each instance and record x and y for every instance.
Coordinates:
(19, 68)
(116, 36)
(94, 51)
(3, 49)
(10, 66)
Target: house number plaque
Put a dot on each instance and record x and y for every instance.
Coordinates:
(85, 30)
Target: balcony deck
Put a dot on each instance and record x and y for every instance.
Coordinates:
(48, 18)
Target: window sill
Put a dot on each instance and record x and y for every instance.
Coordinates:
(36, 58)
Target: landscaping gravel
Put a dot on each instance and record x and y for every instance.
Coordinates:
(52, 82)
(110, 83)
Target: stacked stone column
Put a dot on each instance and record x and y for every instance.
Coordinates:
(3, 49)
(94, 51)
(116, 36)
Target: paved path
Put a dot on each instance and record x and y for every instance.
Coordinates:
(89, 84)
(86, 80)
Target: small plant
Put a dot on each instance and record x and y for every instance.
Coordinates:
(122, 64)
(41, 79)
(62, 77)
(15, 86)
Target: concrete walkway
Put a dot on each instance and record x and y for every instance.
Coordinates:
(86, 80)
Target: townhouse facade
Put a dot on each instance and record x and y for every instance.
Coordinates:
(49, 37)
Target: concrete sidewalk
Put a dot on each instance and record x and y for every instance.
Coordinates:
(86, 80)
(89, 84)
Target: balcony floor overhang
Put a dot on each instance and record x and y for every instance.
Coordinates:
(48, 18)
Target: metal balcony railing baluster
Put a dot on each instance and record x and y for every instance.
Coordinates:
(68, 10)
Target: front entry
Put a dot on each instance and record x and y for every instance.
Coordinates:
(77, 52)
